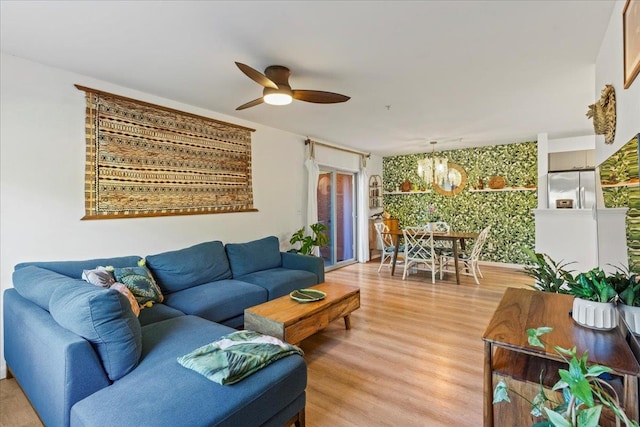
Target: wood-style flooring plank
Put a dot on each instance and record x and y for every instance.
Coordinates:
(413, 357)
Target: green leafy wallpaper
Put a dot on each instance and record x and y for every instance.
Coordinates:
(508, 212)
(620, 188)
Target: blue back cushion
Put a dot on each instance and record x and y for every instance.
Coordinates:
(193, 266)
(74, 268)
(257, 255)
(104, 318)
(37, 284)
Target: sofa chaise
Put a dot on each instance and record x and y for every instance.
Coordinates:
(83, 357)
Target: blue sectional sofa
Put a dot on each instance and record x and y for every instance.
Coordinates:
(83, 358)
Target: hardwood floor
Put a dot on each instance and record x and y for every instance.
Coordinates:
(412, 358)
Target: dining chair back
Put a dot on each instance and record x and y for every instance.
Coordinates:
(469, 260)
(438, 227)
(440, 246)
(419, 250)
(385, 241)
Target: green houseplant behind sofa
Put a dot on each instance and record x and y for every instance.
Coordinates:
(124, 371)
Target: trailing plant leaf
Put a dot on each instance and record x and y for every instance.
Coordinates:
(535, 334)
(580, 385)
(557, 419)
(500, 393)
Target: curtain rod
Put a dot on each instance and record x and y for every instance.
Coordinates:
(348, 150)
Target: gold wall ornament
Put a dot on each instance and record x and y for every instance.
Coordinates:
(455, 183)
(603, 113)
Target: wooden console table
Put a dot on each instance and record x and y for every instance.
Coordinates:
(506, 339)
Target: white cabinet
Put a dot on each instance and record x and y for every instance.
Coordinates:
(568, 235)
(587, 238)
(568, 160)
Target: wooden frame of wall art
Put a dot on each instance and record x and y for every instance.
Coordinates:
(631, 41)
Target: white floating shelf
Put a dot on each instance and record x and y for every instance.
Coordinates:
(489, 190)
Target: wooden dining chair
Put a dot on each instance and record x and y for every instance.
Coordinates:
(419, 250)
(469, 260)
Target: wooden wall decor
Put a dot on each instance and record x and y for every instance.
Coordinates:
(147, 160)
(603, 112)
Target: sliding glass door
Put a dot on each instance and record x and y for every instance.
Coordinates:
(337, 210)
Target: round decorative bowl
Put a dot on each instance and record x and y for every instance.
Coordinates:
(595, 315)
(307, 295)
(632, 317)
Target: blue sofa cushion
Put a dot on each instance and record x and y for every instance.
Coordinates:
(38, 284)
(161, 392)
(281, 281)
(217, 301)
(157, 313)
(184, 268)
(257, 255)
(104, 318)
(75, 268)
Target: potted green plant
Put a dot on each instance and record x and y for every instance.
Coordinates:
(627, 286)
(550, 275)
(595, 297)
(584, 392)
(308, 242)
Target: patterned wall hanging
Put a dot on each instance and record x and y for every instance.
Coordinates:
(147, 160)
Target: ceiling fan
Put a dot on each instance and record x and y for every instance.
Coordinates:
(277, 91)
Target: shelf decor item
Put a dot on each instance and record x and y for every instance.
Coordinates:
(496, 182)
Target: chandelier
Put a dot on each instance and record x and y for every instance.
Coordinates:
(434, 169)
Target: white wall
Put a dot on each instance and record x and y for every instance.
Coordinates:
(42, 155)
(609, 70)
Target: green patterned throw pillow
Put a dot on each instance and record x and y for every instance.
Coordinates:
(141, 284)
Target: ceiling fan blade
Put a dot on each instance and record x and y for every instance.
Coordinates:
(251, 104)
(319, 97)
(256, 76)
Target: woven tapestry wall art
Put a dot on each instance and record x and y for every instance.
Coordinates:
(147, 160)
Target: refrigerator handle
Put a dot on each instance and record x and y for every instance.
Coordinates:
(582, 198)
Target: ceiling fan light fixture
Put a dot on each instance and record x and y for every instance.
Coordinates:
(276, 98)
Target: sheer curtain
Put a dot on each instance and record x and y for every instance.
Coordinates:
(313, 172)
(363, 208)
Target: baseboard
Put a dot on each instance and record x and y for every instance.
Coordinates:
(502, 265)
(3, 371)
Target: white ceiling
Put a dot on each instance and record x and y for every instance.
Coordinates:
(466, 73)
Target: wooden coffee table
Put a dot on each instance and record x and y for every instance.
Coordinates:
(292, 321)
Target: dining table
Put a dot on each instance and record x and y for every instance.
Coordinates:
(457, 238)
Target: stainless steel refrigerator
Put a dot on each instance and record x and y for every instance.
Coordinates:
(572, 189)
